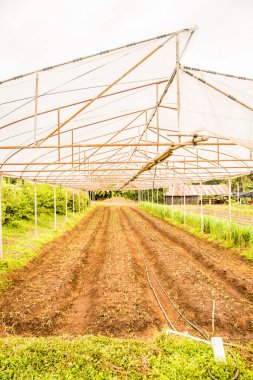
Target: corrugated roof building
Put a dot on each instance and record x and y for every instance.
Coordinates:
(193, 193)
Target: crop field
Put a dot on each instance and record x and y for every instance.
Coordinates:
(125, 276)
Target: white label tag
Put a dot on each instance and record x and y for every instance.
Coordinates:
(218, 349)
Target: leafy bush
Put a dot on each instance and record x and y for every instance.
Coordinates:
(18, 200)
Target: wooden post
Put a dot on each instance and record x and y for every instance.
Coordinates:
(66, 205)
(35, 211)
(55, 220)
(201, 209)
(1, 221)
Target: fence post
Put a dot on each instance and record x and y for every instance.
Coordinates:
(35, 210)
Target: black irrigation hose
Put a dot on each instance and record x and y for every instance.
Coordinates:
(149, 268)
(150, 283)
(171, 301)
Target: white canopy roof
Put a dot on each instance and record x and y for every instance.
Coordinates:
(128, 118)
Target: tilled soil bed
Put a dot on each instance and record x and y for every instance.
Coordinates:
(93, 281)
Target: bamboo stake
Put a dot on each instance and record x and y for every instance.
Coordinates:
(213, 316)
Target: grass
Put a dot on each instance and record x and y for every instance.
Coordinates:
(20, 245)
(106, 358)
(234, 236)
(236, 208)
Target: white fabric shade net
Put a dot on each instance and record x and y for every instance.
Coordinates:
(128, 118)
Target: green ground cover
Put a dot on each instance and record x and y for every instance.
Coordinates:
(106, 358)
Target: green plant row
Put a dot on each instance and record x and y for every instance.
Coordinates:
(234, 235)
(18, 200)
(104, 358)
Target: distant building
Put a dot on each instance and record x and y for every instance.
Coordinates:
(211, 194)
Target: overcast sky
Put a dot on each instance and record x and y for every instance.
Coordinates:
(39, 33)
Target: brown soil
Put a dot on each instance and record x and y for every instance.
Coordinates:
(93, 281)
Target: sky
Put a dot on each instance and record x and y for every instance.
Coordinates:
(40, 33)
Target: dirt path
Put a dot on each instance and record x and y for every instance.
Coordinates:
(93, 280)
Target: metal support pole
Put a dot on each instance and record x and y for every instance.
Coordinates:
(157, 196)
(1, 221)
(201, 209)
(36, 107)
(35, 210)
(229, 203)
(163, 205)
(55, 221)
(152, 197)
(66, 205)
(148, 195)
(238, 192)
(172, 202)
(73, 200)
(79, 202)
(184, 207)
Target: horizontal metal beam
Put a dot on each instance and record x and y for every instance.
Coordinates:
(105, 145)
